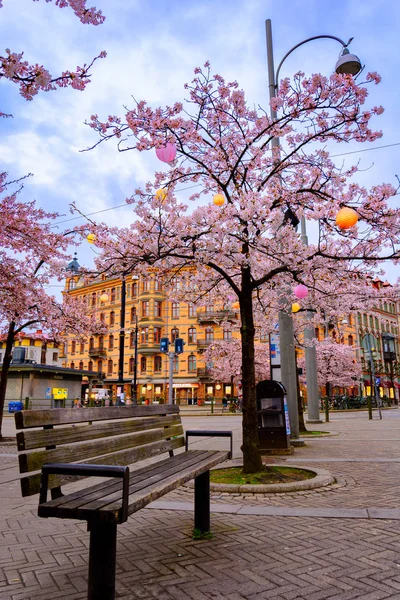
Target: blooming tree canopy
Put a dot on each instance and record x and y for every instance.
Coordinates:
(337, 364)
(32, 78)
(226, 360)
(248, 246)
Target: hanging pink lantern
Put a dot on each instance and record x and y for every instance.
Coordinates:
(300, 291)
(167, 153)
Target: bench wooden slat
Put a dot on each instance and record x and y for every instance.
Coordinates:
(31, 484)
(63, 416)
(75, 452)
(40, 438)
(97, 497)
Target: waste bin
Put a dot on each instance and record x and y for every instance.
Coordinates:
(273, 416)
(14, 406)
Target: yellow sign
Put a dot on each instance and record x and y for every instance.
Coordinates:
(60, 393)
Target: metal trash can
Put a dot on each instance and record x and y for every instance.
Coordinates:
(15, 406)
(273, 416)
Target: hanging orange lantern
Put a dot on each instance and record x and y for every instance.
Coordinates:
(161, 194)
(91, 238)
(218, 200)
(236, 305)
(104, 297)
(346, 218)
(295, 307)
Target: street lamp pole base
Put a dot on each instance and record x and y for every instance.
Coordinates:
(314, 421)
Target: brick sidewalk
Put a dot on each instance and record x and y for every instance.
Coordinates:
(250, 557)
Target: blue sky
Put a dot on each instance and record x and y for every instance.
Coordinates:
(152, 49)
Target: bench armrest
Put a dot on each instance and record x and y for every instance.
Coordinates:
(208, 433)
(86, 470)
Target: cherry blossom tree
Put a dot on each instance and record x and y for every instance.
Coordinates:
(337, 364)
(248, 247)
(32, 78)
(226, 360)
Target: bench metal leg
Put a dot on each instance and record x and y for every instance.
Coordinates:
(102, 561)
(202, 502)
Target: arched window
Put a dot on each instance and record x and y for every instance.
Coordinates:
(192, 363)
(90, 365)
(109, 367)
(157, 364)
(209, 334)
(192, 335)
(174, 334)
(99, 366)
(72, 366)
(101, 342)
(112, 318)
(73, 347)
(131, 339)
(93, 299)
(350, 340)
(113, 295)
(91, 344)
(133, 314)
(72, 284)
(111, 342)
(131, 364)
(143, 364)
(81, 365)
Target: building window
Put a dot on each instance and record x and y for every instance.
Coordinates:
(113, 295)
(72, 284)
(157, 364)
(350, 340)
(191, 363)
(316, 333)
(93, 299)
(144, 335)
(55, 356)
(157, 284)
(174, 334)
(91, 344)
(90, 365)
(73, 347)
(192, 335)
(112, 318)
(157, 335)
(82, 347)
(111, 342)
(227, 335)
(102, 318)
(109, 367)
(72, 366)
(157, 308)
(131, 364)
(145, 308)
(209, 334)
(191, 310)
(131, 339)
(133, 314)
(145, 284)
(81, 365)
(101, 342)
(100, 366)
(134, 290)
(175, 310)
(143, 364)
(176, 363)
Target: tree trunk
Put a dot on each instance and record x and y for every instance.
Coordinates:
(4, 370)
(251, 448)
(302, 425)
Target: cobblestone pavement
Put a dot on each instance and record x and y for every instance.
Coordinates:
(250, 557)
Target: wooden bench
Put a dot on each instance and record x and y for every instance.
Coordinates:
(65, 444)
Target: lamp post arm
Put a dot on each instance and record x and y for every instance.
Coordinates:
(315, 37)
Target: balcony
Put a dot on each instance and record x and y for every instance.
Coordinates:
(99, 352)
(203, 373)
(216, 316)
(204, 343)
(149, 348)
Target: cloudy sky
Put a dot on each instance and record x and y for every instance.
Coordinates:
(152, 50)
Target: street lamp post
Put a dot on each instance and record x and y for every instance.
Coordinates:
(347, 63)
(135, 355)
(122, 335)
(373, 386)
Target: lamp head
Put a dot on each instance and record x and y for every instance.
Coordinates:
(348, 64)
(345, 322)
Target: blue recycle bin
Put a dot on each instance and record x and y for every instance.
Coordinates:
(14, 406)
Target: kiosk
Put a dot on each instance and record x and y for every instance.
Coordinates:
(273, 417)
